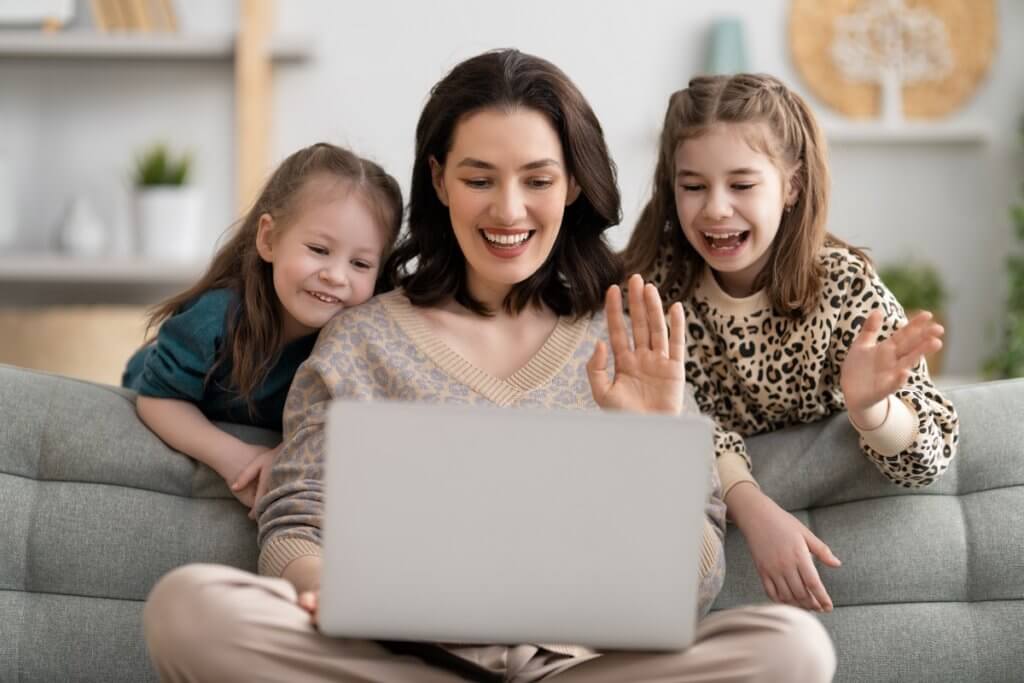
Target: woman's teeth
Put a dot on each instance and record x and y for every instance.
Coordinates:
(503, 239)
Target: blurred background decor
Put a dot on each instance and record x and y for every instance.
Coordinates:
(727, 47)
(881, 58)
(48, 14)
(918, 287)
(1008, 360)
(134, 15)
(168, 210)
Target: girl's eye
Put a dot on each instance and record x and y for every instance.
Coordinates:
(477, 183)
(316, 249)
(692, 188)
(362, 265)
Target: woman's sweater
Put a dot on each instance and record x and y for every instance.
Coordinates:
(384, 350)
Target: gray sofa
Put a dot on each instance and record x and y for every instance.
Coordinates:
(95, 509)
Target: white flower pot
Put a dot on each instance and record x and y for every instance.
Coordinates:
(169, 221)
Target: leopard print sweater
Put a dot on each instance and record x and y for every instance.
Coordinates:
(754, 371)
(384, 350)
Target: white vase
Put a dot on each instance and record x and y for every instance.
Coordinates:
(81, 232)
(169, 223)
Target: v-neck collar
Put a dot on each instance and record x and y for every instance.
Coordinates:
(552, 356)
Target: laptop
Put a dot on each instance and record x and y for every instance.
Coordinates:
(462, 524)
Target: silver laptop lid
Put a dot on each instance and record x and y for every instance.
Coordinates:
(464, 524)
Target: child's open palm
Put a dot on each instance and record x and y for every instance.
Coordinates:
(649, 375)
(875, 369)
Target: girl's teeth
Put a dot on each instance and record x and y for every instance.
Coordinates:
(323, 297)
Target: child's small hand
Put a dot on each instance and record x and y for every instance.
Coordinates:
(873, 370)
(255, 476)
(649, 373)
(782, 549)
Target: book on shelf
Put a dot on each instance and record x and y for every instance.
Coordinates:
(134, 15)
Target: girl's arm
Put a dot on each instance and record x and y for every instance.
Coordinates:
(183, 427)
(907, 427)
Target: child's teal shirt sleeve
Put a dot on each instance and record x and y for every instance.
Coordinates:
(175, 365)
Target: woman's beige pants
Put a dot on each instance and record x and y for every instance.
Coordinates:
(214, 623)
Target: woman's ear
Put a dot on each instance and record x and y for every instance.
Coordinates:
(264, 237)
(574, 191)
(437, 178)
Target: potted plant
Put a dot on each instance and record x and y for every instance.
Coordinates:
(168, 210)
(1008, 361)
(918, 287)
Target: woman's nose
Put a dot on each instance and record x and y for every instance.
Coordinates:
(509, 207)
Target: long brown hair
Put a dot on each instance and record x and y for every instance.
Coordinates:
(793, 273)
(253, 331)
(581, 265)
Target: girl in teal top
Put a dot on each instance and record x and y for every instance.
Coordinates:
(228, 347)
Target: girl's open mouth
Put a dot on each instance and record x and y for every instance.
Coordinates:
(726, 241)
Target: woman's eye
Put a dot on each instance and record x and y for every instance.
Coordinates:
(540, 183)
(742, 186)
(321, 251)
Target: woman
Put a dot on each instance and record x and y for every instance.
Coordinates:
(512, 191)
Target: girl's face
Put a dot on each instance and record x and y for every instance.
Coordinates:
(506, 188)
(326, 258)
(730, 199)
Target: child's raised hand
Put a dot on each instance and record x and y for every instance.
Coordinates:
(649, 374)
(782, 549)
(875, 369)
(254, 477)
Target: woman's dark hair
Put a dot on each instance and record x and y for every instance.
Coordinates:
(428, 263)
(253, 341)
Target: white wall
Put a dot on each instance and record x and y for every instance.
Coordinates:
(375, 61)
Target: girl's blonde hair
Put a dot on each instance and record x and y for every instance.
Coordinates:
(793, 274)
(253, 340)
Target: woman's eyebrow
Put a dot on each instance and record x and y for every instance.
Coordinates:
(472, 162)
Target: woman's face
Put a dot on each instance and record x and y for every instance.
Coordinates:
(506, 188)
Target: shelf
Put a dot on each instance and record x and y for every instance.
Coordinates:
(162, 46)
(56, 268)
(871, 133)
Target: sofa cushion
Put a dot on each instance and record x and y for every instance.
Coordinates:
(932, 582)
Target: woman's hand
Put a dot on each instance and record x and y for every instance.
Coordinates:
(782, 549)
(310, 601)
(649, 374)
(251, 482)
(875, 369)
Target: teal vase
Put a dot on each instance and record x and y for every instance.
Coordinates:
(727, 52)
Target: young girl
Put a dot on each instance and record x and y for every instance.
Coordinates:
(786, 323)
(311, 246)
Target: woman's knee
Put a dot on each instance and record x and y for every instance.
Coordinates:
(801, 650)
(182, 615)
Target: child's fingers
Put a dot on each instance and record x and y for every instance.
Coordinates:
(638, 312)
(246, 476)
(597, 372)
(812, 581)
(799, 591)
(677, 342)
(769, 588)
(870, 328)
(820, 550)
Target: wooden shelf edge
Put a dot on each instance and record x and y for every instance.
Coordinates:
(51, 268)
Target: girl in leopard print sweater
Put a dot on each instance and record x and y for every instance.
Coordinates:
(785, 323)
